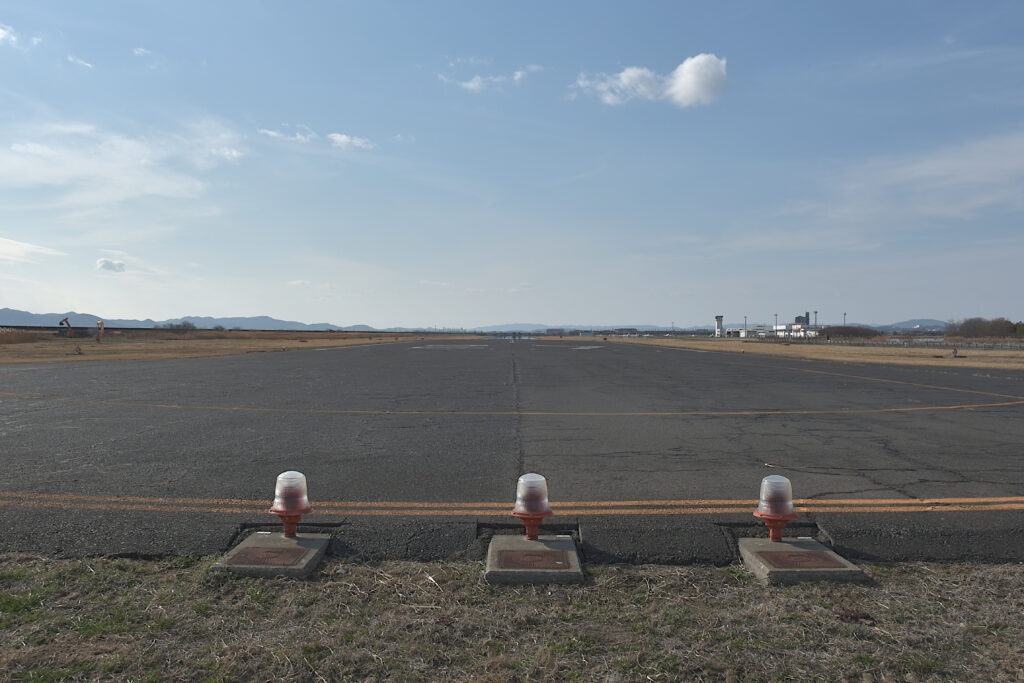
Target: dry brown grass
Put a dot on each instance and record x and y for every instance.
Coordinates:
(155, 344)
(886, 355)
(8, 336)
(103, 618)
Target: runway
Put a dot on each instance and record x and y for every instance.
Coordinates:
(643, 447)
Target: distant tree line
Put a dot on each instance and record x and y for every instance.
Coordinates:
(982, 327)
(183, 326)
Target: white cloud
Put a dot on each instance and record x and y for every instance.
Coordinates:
(141, 52)
(23, 252)
(80, 62)
(480, 83)
(302, 134)
(698, 80)
(348, 142)
(111, 265)
(7, 35)
(299, 283)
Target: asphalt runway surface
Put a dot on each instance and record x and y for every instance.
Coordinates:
(413, 449)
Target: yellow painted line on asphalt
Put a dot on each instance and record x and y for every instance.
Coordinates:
(579, 508)
(491, 504)
(491, 512)
(903, 382)
(527, 413)
(68, 505)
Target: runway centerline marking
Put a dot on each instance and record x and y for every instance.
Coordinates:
(904, 382)
(493, 509)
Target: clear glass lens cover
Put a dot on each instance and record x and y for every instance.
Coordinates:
(290, 494)
(532, 495)
(776, 496)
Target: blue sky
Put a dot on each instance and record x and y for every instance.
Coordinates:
(464, 164)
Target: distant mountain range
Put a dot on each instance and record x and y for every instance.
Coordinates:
(10, 316)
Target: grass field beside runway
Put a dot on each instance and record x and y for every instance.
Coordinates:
(992, 359)
(36, 347)
(172, 619)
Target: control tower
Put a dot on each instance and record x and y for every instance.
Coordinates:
(719, 331)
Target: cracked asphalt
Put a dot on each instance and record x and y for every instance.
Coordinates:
(157, 457)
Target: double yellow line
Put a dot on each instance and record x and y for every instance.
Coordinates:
(500, 509)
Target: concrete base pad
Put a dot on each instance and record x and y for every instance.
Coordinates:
(793, 560)
(549, 559)
(272, 554)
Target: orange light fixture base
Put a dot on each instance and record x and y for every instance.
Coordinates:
(532, 522)
(775, 524)
(291, 519)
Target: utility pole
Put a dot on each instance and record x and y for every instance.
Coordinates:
(775, 330)
(744, 327)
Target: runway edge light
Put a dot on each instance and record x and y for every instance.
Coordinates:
(776, 505)
(532, 503)
(291, 500)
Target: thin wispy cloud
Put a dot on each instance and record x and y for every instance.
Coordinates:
(87, 166)
(209, 143)
(861, 208)
(349, 142)
(472, 61)
(897, 64)
(302, 134)
(480, 83)
(957, 182)
(697, 80)
(154, 61)
(23, 252)
(521, 288)
(80, 62)
(521, 74)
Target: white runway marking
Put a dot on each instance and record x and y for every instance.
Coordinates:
(571, 348)
(451, 346)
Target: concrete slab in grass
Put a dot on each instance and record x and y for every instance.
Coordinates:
(549, 559)
(795, 560)
(273, 554)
